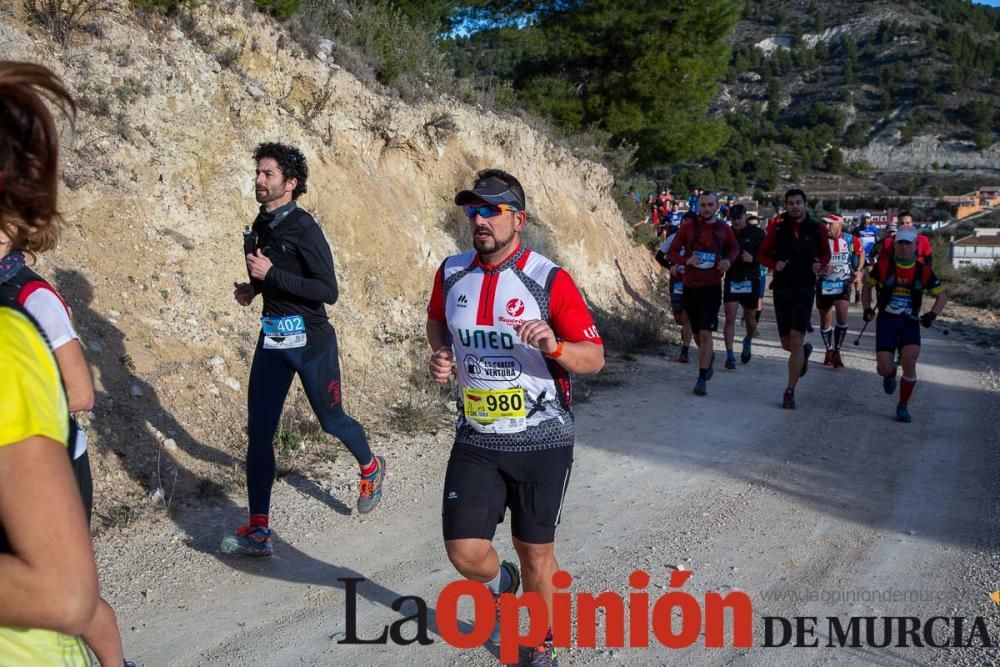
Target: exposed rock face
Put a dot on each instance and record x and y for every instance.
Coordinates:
(924, 151)
(159, 184)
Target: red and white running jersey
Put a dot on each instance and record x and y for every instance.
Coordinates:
(482, 305)
(840, 258)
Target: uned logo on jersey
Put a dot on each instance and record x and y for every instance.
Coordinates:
(515, 307)
(591, 332)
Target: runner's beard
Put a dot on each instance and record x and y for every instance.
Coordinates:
(266, 194)
(490, 244)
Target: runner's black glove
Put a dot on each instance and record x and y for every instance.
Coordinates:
(869, 314)
(928, 318)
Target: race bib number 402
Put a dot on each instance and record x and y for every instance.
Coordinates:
(495, 410)
(283, 333)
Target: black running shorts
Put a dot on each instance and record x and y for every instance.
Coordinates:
(81, 470)
(676, 297)
(744, 292)
(894, 332)
(792, 309)
(702, 307)
(824, 302)
(480, 484)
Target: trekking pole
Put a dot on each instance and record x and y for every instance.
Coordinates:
(857, 341)
(943, 332)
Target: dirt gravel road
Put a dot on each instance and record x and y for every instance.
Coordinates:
(831, 510)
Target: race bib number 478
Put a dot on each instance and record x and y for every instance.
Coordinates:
(705, 259)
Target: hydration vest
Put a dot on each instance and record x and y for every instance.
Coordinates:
(887, 279)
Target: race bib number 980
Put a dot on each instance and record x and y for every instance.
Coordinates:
(495, 410)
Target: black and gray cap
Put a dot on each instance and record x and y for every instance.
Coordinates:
(493, 188)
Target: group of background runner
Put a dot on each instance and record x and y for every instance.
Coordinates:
(716, 259)
(665, 211)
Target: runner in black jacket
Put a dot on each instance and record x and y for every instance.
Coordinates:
(796, 248)
(290, 264)
(742, 285)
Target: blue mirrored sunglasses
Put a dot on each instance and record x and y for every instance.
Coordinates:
(486, 211)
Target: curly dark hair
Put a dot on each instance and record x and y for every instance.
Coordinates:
(29, 154)
(290, 160)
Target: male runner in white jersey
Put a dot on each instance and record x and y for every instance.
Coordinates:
(517, 327)
(833, 289)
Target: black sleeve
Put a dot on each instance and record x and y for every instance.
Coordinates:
(661, 259)
(319, 282)
(258, 285)
(753, 243)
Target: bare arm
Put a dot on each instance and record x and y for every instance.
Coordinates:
(939, 303)
(437, 334)
(50, 580)
(866, 295)
(76, 376)
(582, 357)
(442, 359)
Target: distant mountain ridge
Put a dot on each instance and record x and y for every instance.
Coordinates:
(896, 86)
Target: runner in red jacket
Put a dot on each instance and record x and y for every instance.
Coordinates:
(706, 248)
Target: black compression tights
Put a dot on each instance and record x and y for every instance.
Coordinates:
(271, 375)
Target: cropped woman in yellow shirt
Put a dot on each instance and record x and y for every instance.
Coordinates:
(47, 578)
(48, 581)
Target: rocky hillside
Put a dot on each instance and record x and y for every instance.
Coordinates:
(158, 186)
(903, 85)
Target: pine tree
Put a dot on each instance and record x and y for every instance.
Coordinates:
(645, 72)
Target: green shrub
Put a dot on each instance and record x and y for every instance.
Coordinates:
(375, 40)
(634, 330)
(63, 17)
(975, 286)
(118, 517)
(169, 7)
(280, 9)
(645, 236)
